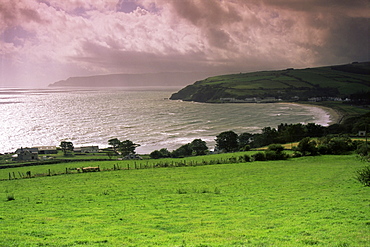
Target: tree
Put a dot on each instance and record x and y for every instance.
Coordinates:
(198, 147)
(163, 153)
(340, 145)
(227, 141)
(66, 146)
(307, 146)
(244, 141)
(156, 154)
(127, 147)
(114, 143)
(275, 152)
(182, 151)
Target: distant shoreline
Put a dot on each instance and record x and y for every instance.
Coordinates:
(335, 116)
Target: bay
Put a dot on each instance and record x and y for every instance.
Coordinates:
(45, 117)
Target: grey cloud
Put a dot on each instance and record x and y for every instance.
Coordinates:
(347, 41)
(343, 26)
(11, 14)
(139, 62)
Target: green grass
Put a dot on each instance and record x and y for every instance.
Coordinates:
(299, 202)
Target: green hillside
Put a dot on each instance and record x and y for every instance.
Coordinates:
(290, 84)
(297, 202)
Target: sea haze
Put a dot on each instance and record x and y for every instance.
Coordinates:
(45, 117)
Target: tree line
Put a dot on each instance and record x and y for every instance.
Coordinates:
(229, 141)
(328, 142)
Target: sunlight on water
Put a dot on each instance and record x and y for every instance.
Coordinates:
(92, 117)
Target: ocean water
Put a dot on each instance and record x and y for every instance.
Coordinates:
(45, 117)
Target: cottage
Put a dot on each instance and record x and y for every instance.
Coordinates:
(32, 150)
(25, 155)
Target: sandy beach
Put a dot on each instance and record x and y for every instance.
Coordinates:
(334, 116)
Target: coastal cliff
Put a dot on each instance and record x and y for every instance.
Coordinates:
(336, 82)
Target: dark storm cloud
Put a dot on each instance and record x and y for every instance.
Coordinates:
(332, 30)
(138, 36)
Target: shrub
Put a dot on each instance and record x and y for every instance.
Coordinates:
(336, 145)
(232, 160)
(155, 154)
(274, 155)
(323, 149)
(259, 156)
(363, 176)
(362, 149)
(340, 145)
(276, 147)
(307, 147)
(245, 158)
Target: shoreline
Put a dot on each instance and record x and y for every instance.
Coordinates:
(335, 117)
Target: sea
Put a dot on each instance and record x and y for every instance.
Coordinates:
(146, 116)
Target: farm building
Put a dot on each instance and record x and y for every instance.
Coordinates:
(87, 149)
(25, 155)
(47, 149)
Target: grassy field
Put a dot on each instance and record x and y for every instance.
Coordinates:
(299, 202)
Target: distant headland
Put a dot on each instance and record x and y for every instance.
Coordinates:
(133, 80)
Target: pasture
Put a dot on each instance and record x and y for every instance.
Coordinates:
(298, 202)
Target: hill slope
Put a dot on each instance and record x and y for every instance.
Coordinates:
(289, 84)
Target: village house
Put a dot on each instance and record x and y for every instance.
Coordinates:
(26, 154)
(32, 150)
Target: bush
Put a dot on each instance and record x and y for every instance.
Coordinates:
(340, 145)
(155, 154)
(307, 147)
(274, 155)
(362, 149)
(259, 156)
(323, 149)
(336, 145)
(363, 176)
(276, 147)
(245, 158)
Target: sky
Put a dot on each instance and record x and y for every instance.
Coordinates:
(43, 41)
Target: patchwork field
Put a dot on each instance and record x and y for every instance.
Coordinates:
(299, 202)
(330, 81)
